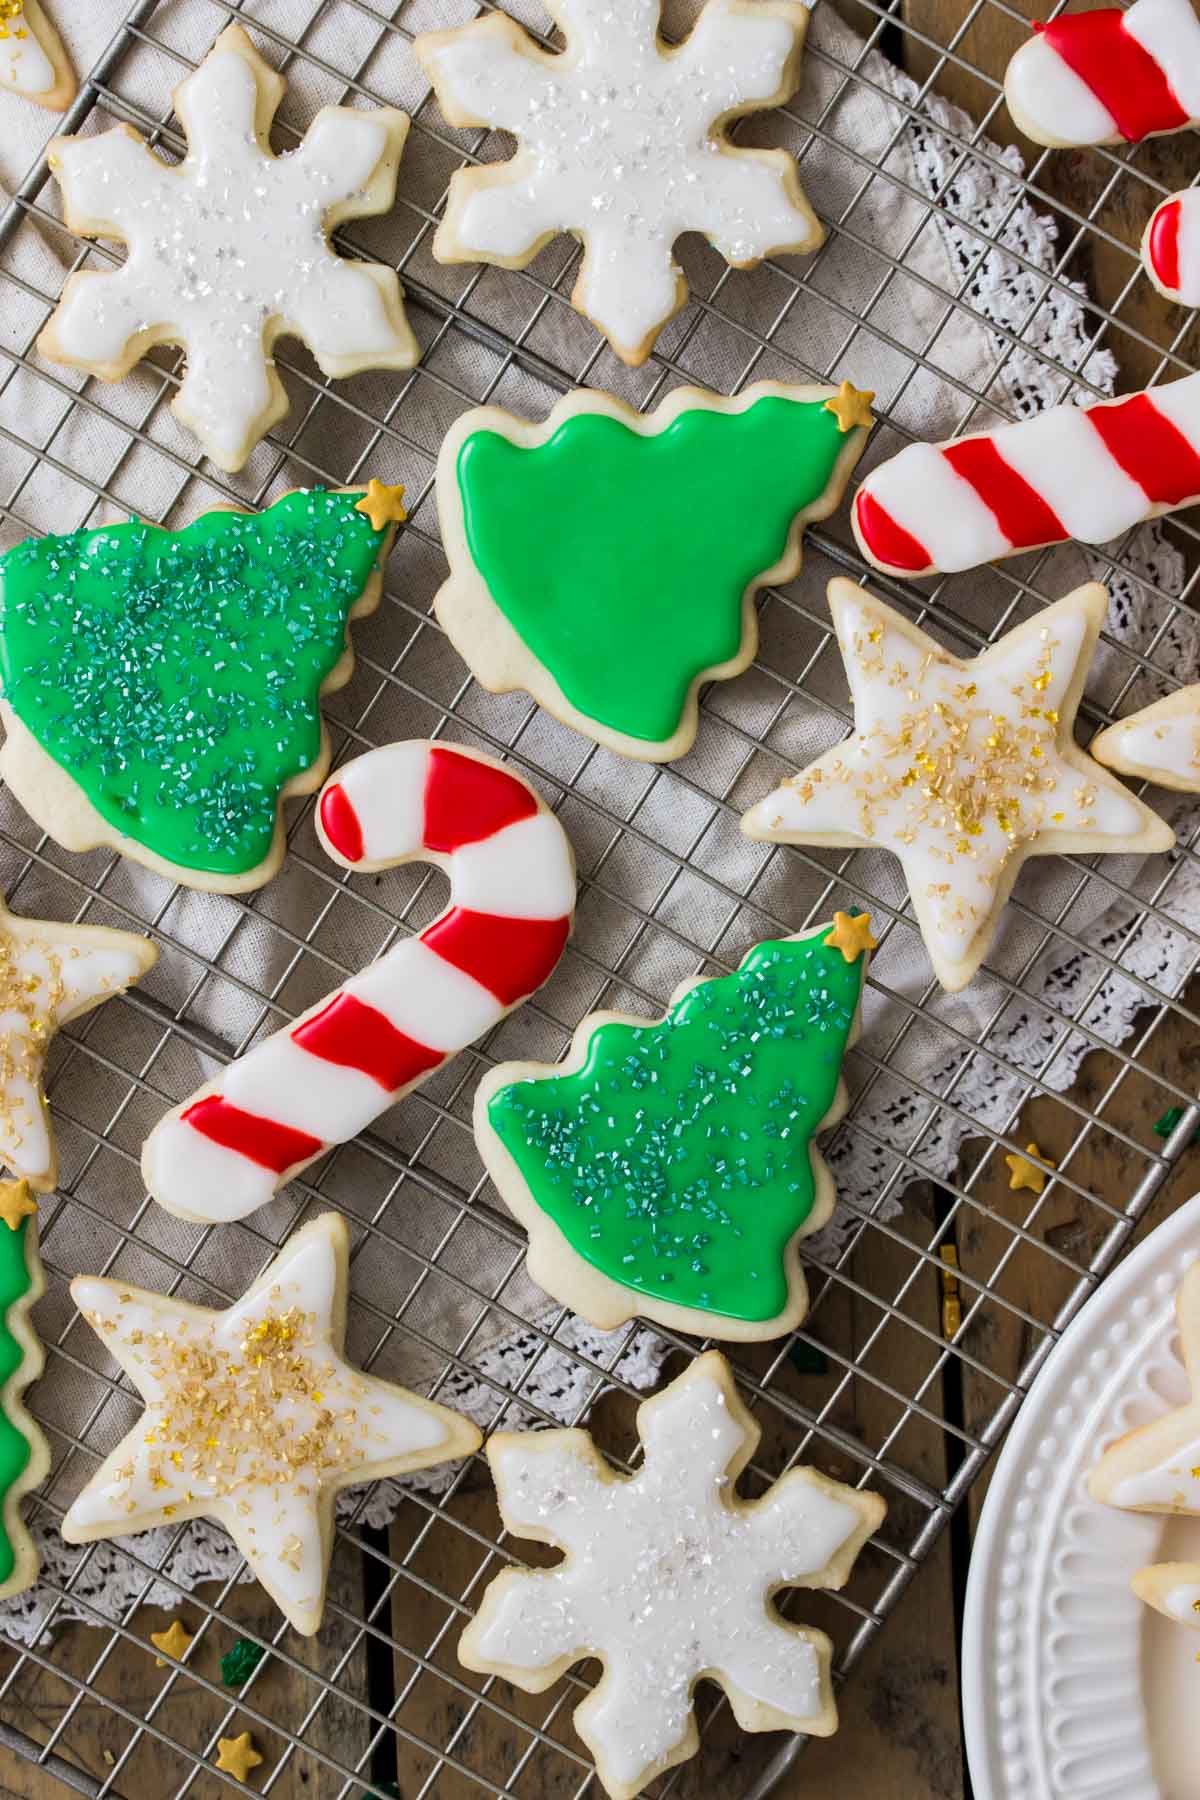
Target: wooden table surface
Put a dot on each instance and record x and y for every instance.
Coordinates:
(900, 1737)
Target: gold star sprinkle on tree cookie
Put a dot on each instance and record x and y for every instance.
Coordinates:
(383, 505)
(851, 406)
(961, 769)
(16, 1203)
(253, 1417)
(851, 935)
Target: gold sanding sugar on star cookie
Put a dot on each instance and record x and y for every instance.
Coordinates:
(851, 406)
(851, 935)
(382, 505)
(1027, 1174)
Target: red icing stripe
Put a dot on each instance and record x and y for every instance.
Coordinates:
(356, 1036)
(263, 1141)
(1126, 79)
(467, 800)
(1163, 243)
(1151, 450)
(1019, 510)
(340, 823)
(886, 541)
(509, 957)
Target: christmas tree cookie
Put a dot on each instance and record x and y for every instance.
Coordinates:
(606, 561)
(668, 1169)
(161, 688)
(24, 1452)
(33, 62)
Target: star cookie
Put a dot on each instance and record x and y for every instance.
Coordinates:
(229, 250)
(33, 61)
(253, 1417)
(1160, 744)
(623, 141)
(962, 769)
(667, 1576)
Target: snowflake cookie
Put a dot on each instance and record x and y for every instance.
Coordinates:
(1156, 1469)
(668, 1577)
(24, 1452)
(962, 769)
(229, 250)
(162, 688)
(623, 141)
(33, 61)
(254, 1418)
(50, 974)
(1160, 744)
(668, 1169)
(583, 570)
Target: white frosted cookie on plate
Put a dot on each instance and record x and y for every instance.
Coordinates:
(623, 140)
(961, 768)
(229, 250)
(1160, 744)
(668, 1576)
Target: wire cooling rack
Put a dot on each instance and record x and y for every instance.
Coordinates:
(379, 1704)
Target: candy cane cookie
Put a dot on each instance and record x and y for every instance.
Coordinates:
(1171, 247)
(319, 1082)
(1160, 744)
(1072, 472)
(1109, 76)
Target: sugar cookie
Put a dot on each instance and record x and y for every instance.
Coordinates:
(229, 250)
(24, 1452)
(667, 1169)
(253, 1417)
(1171, 247)
(667, 1576)
(1160, 744)
(1072, 472)
(962, 769)
(319, 1082)
(213, 646)
(582, 569)
(624, 142)
(33, 60)
(1109, 76)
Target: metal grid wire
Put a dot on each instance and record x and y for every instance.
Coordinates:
(668, 889)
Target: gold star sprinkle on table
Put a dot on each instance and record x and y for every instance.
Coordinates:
(382, 505)
(1026, 1174)
(851, 406)
(16, 1203)
(237, 1756)
(172, 1642)
(851, 935)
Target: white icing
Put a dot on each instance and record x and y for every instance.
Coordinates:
(1168, 746)
(24, 65)
(1052, 102)
(1173, 1483)
(521, 871)
(666, 1577)
(60, 973)
(223, 245)
(928, 499)
(1179, 401)
(1066, 460)
(619, 141)
(1170, 32)
(1183, 1603)
(188, 1457)
(919, 776)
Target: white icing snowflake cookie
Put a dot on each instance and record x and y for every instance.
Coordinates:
(962, 769)
(50, 974)
(623, 141)
(668, 1576)
(33, 61)
(1156, 1469)
(1160, 744)
(229, 251)
(254, 1418)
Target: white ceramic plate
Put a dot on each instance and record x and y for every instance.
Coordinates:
(1072, 1689)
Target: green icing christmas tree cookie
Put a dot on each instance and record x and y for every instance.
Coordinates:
(161, 689)
(668, 1169)
(24, 1453)
(606, 561)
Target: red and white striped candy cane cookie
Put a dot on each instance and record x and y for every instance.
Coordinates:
(1108, 76)
(1073, 472)
(1171, 247)
(319, 1082)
